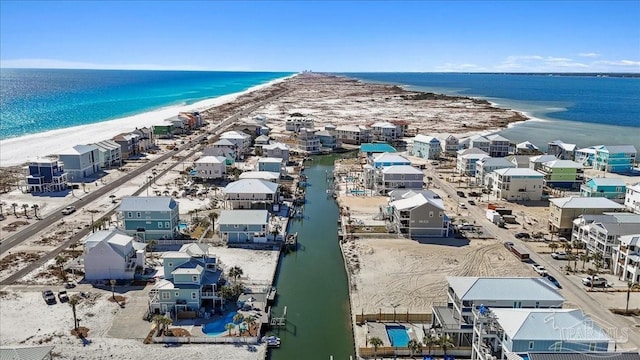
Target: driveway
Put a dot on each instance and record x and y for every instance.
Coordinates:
(128, 322)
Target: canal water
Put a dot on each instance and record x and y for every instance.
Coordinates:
(312, 282)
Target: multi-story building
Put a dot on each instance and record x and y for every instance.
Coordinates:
(223, 147)
(46, 175)
(527, 148)
(520, 161)
(112, 254)
(129, 144)
(384, 131)
(388, 159)
(251, 193)
(601, 233)
(109, 154)
(80, 161)
(146, 140)
(564, 174)
(535, 162)
(296, 123)
(353, 134)
(327, 139)
(466, 294)
(308, 141)
(515, 184)
(562, 211)
(276, 150)
(587, 156)
(244, 226)
(610, 188)
(632, 198)
(498, 146)
(480, 142)
(561, 150)
(626, 258)
(615, 159)
(398, 177)
(271, 164)
(426, 147)
(467, 160)
(487, 165)
(450, 145)
(211, 167)
(241, 140)
(150, 217)
(418, 213)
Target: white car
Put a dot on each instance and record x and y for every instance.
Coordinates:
(540, 270)
(68, 210)
(560, 255)
(463, 206)
(594, 281)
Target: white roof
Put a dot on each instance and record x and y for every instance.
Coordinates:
(211, 160)
(244, 217)
(586, 203)
(474, 156)
(234, 135)
(566, 325)
(635, 187)
(108, 144)
(527, 145)
(491, 161)
(79, 150)
(619, 149)
(147, 203)
(354, 128)
(543, 158)
(416, 200)
(276, 145)
(563, 164)
(251, 186)
(515, 172)
(223, 142)
(270, 160)
(401, 169)
(116, 239)
(384, 124)
(391, 158)
(471, 151)
(503, 288)
(265, 175)
(496, 137)
(478, 138)
(425, 139)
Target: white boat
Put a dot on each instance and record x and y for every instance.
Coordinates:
(271, 341)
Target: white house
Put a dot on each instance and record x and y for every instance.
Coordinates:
(516, 184)
(80, 161)
(263, 175)
(308, 141)
(426, 147)
(112, 254)
(248, 193)
(353, 134)
(467, 159)
(109, 154)
(626, 258)
(498, 145)
(211, 167)
(487, 165)
(295, 123)
(527, 148)
(561, 150)
(276, 150)
(384, 131)
(241, 140)
(479, 142)
(223, 147)
(535, 162)
(632, 198)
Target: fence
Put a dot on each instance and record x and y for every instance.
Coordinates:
(209, 340)
(394, 317)
(389, 351)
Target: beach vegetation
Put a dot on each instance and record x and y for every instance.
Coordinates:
(429, 341)
(445, 343)
(414, 347)
(25, 207)
(14, 206)
(376, 343)
(229, 327)
(250, 320)
(235, 273)
(73, 301)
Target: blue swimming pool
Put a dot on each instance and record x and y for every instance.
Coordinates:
(182, 227)
(398, 336)
(217, 326)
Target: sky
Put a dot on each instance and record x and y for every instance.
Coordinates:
(332, 36)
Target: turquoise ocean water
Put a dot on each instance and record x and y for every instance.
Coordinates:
(585, 110)
(38, 100)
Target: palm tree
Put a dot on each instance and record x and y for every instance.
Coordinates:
(414, 347)
(213, 216)
(429, 340)
(568, 247)
(162, 322)
(235, 272)
(35, 210)
(229, 327)
(629, 286)
(553, 246)
(584, 257)
(60, 261)
(445, 343)
(151, 245)
(225, 292)
(73, 301)
(25, 207)
(14, 206)
(597, 259)
(237, 319)
(376, 343)
(250, 320)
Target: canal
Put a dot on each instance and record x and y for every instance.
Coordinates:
(312, 282)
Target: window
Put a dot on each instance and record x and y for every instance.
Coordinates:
(129, 214)
(138, 215)
(531, 344)
(167, 225)
(170, 265)
(235, 226)
(430, 213)
(177, 294)
(194, 278)
(159, 224)
(166, 296)
(592, 347)
(194, 295)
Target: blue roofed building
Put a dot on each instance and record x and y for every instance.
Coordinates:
(369, 149)
(610, 188)
(149, 217)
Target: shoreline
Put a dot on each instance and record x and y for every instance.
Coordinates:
(19, 150)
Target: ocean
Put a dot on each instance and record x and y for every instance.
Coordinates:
(37, 100)
(584, 110)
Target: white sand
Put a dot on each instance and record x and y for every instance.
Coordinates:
(16, 151)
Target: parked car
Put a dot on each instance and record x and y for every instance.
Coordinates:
(461, 193)
(474, 194)
(466, 226)
(560, 255)
(508, 245)
(69, 285)
(68, 210)
(540, 269)
(48, 297)
(471, 202)
(522, 235)
(62, 295)
(594, 281)
(462, 206)
(554, 281)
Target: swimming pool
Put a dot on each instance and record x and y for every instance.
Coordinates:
(398, 336)
(217, 326)
(182, 227)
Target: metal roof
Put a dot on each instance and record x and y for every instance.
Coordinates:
(618, 149)
(566, 325)
(581, 355)
(425, 139)
(79, 150)
(518, 172)
(377, 148)
(264, 175)
(211, 160)
(391, 158)
(402, 169)
(25, 353)
(504, 288)
(630, 240)
(563, 164)
(147, 203)
(251, 186)
(607, 181)
(270, 160)
(586, 203)
(243, 217)
(415, 200)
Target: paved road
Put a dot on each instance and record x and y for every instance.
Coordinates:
(35, 228)
(615, 325)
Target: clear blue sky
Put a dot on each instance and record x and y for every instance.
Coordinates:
(504, 36)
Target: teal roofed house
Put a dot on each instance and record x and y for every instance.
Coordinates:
(614, 189)
(615, 159)
(149, 217)
(376, 148)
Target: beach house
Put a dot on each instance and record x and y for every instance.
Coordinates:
(109, 154)
(487, 165)
(307, 141)
(520, 161)
(80, 161)
(276, 150)
(369, 150)
(149, 217)
(500, 333)
(513, 184)
(240, 140)
(146, 140)
(426, 147)
(587, 156)
(261, 140)
(353, 134)
(450, 145)
(632, 198)
(561, 150)
(563, 174)
(601, 233)
(418, 213)
(223, 147)
(388, 159)
(499, 146)
(328, 139)
(615, 159)
(244, 226)
(163, 131)
(535, 162)
(466, 294)
(46, 175)
(467, 159)
(272, 164)
(129, 144)
(398, 177)
(263, 175)
(479, 142)
(384, 131)
(251, 193)
(112, 254)
(527, 148)
(191, 282)
(562, 211)
(297, 121)
(626, 258)
(211, 167)
(614, 189)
